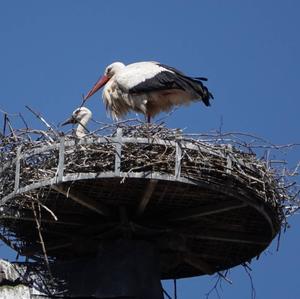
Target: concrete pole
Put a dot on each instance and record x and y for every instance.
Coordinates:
(122, 269)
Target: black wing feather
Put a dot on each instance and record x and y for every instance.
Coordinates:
(205, 95)
(162, 81)
(174, 80)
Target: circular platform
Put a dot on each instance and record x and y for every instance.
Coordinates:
(206, 207)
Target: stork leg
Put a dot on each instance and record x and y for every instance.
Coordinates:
(148, 116)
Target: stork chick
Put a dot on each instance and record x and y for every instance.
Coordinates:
(148, 87)
(80, 116)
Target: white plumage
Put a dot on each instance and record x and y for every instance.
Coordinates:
(148, 88)
(80, 116)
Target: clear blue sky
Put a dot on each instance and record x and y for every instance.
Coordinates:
(53, 51)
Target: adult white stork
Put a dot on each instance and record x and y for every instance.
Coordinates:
(80, 116)
(147, 87)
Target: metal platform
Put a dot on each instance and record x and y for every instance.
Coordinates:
(204, 210)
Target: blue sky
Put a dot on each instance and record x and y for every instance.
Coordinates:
(53, 51)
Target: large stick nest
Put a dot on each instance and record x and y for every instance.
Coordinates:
(212, 158)
(266, 177)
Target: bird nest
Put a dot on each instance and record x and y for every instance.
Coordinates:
(206, 200)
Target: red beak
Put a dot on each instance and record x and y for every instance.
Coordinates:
(101, 82)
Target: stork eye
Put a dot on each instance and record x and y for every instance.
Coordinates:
(109, 70)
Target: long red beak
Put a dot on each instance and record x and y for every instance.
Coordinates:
(101, 82)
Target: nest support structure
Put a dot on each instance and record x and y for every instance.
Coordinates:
(204, 207)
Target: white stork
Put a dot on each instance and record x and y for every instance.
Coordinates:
(148, 88)
(80, 116)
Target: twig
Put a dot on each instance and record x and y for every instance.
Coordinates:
(83, 100)
(43, 120)
(4, 124)
(25, 123)
(165, 293)
(175, 288)
(43, 206)
(27, 132)
(214, 288)
(225, 278)
(10, 128)
(160, 120)
(278, 241)
(117, 124)
(10, 114)
(253, 291)
(86, 129)
(38, 225)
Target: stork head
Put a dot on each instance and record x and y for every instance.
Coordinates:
(79, 116)
(113, 68)
(109, 72)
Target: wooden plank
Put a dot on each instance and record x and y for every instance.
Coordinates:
(43, 220)
(60, 246)
(206, 210)
(233, 237)
(198, 262)
(146, 197)
(82, 200)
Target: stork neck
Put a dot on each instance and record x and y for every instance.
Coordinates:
(81, 128)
